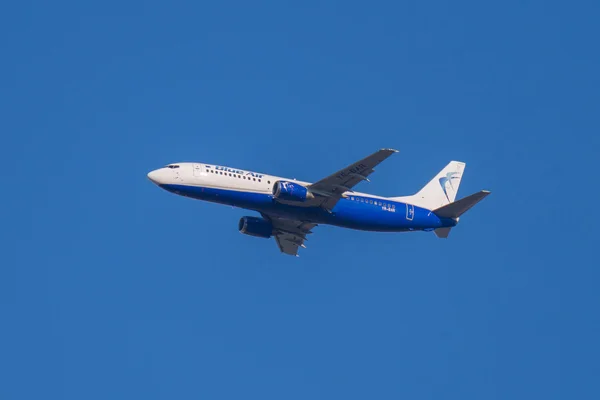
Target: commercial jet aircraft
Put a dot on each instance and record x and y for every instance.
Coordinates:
(290, 209)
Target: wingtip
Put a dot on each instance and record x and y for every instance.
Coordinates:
(391, 150)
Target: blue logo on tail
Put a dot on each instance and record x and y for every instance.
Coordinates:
(448, 179)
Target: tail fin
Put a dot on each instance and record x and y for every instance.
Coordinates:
(441, 190)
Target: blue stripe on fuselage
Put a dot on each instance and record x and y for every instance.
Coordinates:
(347, 213)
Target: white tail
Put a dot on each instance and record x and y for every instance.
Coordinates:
(441, 190)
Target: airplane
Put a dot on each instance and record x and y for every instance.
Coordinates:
(291, 209)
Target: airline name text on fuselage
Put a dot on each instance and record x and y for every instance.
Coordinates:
(235, 171)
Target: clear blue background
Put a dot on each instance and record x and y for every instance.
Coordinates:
(113, 289)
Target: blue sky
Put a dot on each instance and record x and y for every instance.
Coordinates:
(112, 288)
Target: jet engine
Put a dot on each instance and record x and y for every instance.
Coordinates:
(291, 191)
(254, 226)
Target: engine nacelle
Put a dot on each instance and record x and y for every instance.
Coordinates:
(291, 191)
(254, 226)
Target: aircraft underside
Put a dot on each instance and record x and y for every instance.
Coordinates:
(395, 217)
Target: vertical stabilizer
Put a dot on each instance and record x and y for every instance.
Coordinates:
(441, 190)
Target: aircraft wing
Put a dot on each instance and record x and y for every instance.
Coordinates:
(289, 234)
(344, 180)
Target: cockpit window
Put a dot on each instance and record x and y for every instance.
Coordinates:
(172, 166)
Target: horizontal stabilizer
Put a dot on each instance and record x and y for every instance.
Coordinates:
(442, 233)
(458, 208)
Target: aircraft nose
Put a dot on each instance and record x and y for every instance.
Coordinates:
(154, 176)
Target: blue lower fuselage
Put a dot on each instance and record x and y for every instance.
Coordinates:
(350, 212)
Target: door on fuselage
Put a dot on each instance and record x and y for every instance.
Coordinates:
(410, 212)
(199, 170)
